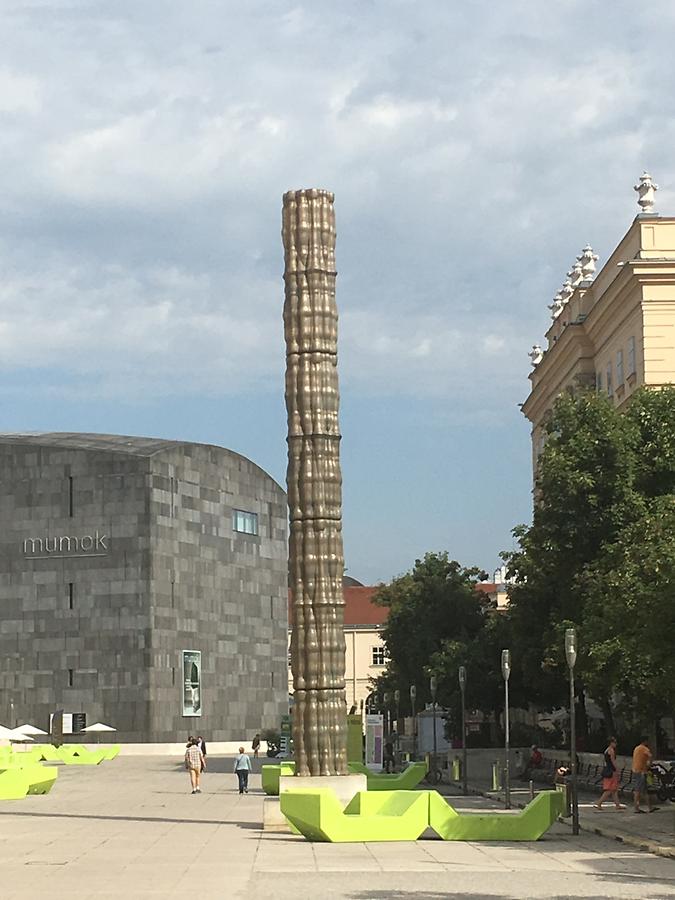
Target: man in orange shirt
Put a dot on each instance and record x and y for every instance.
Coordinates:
(642, 758)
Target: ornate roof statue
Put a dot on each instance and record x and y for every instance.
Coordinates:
(536, 355)
(576, 275)
(646, 190)
(557, 306)
(587, 259)
(566, 290)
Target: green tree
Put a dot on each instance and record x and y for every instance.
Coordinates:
(435, 602)
(629, 617)
(599, 478)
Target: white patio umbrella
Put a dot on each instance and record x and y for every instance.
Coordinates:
(29, 729)
(98, 728)
(17, 736)
(6, 734)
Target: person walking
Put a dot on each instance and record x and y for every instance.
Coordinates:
(610, 777)
(195, 764)
(642, 759)
(242, 766)
(256, 746)
(201, 743)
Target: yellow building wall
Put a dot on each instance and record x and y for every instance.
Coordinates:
(633, 296)
(359, 668)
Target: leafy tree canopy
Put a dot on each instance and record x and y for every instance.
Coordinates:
(602, 528)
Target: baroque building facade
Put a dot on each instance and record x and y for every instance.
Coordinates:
(614, 330)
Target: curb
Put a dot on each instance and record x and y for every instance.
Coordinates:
(628, 839)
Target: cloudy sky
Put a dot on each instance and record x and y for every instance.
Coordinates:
(473, 148)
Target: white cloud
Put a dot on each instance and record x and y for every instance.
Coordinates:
(473, 151)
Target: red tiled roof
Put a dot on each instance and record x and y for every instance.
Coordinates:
(359, 608)
(487, 587)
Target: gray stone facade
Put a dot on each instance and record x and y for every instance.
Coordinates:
(118, 553)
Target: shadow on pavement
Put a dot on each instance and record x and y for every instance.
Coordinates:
(185, 821)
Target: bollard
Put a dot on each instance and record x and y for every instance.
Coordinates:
(456, 769)
(564, 788)
(496, 781)
(531, 789)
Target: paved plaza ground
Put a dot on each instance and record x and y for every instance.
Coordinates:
(131, 828)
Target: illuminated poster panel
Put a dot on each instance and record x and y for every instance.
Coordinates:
(192, 682)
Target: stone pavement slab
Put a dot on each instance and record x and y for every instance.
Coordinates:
(132, 829)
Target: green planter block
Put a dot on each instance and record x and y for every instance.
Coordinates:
(369, 817)
(526, 825)
(270, 774)
(406, 780)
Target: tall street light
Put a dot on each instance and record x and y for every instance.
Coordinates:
(571, 654)
(387, 723)
(506, 671)
(433, 685)
(462, 688)
(413, 698)
(397, 701)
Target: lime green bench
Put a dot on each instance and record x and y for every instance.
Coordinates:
(77, 755)
(270, 774)
(112, 751)
(525, 825)
(380, 816)
(404, 815)
(13, 784)
(16, 780)
(406, 780)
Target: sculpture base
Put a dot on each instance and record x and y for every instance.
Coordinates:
(343, 786)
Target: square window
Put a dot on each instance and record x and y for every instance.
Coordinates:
(379, 656)
(244, 522)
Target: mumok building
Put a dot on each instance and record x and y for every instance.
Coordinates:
(143, 583)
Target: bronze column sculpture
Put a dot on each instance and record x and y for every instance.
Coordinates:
(314, 480)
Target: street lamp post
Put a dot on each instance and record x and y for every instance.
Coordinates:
(397, 701)
(571, 654)
(433, 685)
(387, 723)
(413, 698)
(462, 688)
(506, 671)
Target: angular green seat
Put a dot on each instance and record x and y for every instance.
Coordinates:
(270, 773)
(406, 780)
(526, 825)
(72, 755)
(380, 816)
(48, 752)
(36, 778)
(39, 779)
(112, 751)
(13, 784)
